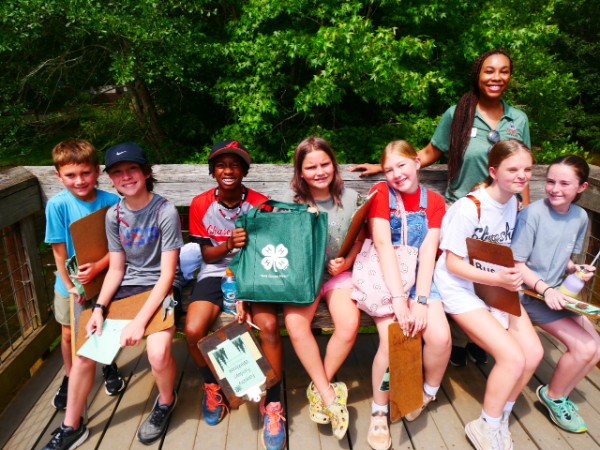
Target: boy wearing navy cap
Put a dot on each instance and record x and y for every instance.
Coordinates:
(144, 238)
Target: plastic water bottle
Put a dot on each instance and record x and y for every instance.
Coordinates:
(573, 284)
(229, 288)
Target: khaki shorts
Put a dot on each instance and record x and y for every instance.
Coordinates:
(62, 309)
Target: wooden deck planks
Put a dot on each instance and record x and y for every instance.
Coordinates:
(114, 420)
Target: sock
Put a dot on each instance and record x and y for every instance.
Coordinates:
(378, 408)
(508, 407)
(430, 390)
(207, 375)
(273, 394)
(494, 422)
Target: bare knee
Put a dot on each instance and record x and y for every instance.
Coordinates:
(297, 328)
(588, 352)
(269, 329)
(534, 355)
(347, 330)
(513, 362)
(159, 357)
(439, 342)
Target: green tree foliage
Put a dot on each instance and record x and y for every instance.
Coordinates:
(271, 72)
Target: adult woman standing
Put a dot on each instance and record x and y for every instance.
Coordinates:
(467, 130)
(465, 134)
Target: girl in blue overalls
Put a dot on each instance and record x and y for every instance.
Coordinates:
(418, 307)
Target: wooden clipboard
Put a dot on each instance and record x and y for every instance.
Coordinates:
(492, 257)
(577, 306)
(231, 332)
(90, 243)
(127, 308)
(358, 219)
(406, 372)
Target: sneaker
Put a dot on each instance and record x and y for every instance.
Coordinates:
(562, 411)
(60, 398)
(458, 356)
(213, 407)
(315, 405)
(155, 425)
(273, 435)
(483, 436)
(67, 438)
(379, 437)
(113, 382)
(427, 399)
(338, 416)
(476, 353)
(575, 412)
(505, 432)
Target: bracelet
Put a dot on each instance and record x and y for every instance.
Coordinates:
(404, 296)
(102, 307)
(544, 293)
(227, 246)
(535, 285)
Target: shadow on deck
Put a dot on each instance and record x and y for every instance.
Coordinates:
(28, 421)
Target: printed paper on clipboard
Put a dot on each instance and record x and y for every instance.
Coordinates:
(358, 218)
(492, 258)
(238, 363)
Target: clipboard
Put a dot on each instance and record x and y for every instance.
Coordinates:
(406, 372)
(220, 351)
(575, 305)
(493, 257)
(90, 243)
(127, 308)
(358, 218)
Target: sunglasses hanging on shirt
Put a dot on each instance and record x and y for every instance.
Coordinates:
(493, 137)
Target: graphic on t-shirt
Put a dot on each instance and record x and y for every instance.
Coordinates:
(502, 237)
(274, 257)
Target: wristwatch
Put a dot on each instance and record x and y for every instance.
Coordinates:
(102, 307)
(421, 299)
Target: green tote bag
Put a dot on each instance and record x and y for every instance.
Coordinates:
(284, 256)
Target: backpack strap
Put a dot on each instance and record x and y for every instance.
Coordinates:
(477, 205)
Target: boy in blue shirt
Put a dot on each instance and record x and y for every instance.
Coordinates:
(78, 168)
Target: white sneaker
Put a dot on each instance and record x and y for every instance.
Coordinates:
(379, 433)
(427, 399)
(483, 436)
(505, 432)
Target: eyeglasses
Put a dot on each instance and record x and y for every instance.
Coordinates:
(493, 136)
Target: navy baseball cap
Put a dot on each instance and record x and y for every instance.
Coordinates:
(230, 146)
(127, 151)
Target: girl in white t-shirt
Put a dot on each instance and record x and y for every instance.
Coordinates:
(489, 213)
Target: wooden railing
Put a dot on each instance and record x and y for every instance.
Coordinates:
(25, 190)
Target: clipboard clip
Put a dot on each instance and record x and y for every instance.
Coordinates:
(168, 306)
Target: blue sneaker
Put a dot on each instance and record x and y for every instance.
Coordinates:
(273, 435)
(563, 411)
(213, 407)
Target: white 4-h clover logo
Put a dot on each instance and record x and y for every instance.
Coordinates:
(275, 257)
